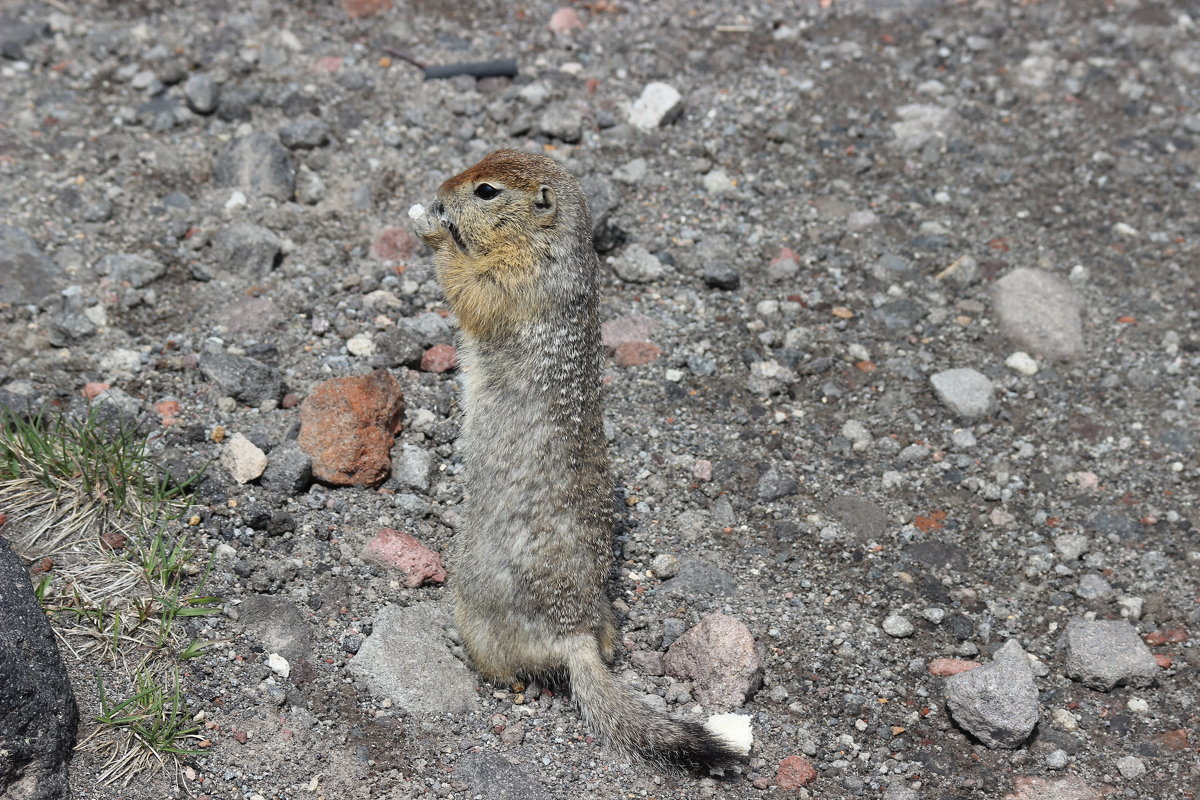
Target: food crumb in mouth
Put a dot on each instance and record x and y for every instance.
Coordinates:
(416, 211)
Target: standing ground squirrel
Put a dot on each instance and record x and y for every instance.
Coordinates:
(512, 238)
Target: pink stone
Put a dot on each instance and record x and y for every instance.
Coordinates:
(327, 64)
(635, 354)
(565, 20)
(720, 657)
(93, 389)
(439, 358)
(945, 667)
(794, 772)
(396, 550)
(356, 9)
(634, 328)
(702, 470)
(393, 245)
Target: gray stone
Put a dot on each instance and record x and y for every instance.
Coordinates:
(1103, 654)
(561, 121)
(897, 626)
(996, 703)
(966, 392)
(491, 776)
(246, 248)
(27, 275)
(278, 625)
(775, 485)
(257, 164)
(407, 658)
(305, 133)
(1131, 767)
(1057, 759)
(1094, 587)
(665, 566)
(412, 467)
(245, 379)
(397, 347)
(722, 275)
(38, 715)
(920, 124)
(1072, 545)
(428, 329)
(201, 93)
(659, 104)
(696, 577)
(15, 35)
(900, 314)
(1040, 312)
(636, 264)
(137, 271)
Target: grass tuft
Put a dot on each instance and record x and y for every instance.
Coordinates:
(86, 504)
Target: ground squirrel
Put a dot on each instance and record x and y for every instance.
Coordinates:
(512, 238)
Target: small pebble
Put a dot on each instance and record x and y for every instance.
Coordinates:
(1021, 363)
(1056, 759)
(1131, 767)
(897, 626)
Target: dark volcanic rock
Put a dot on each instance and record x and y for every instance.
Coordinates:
(38, 715)
(258, 164)
(27, 274)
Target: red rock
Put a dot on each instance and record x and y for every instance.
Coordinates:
(794, 772)
(721, 658)
(945, 667)
(289, 400)
(565, 20)
(635, 354)
(327, 64)
(240, 736)
(113, 540)
(1163, 660)
(393, 245)
(92, 390)
(634, 328)
(356, 9)
(439, 358)
(348, 426)
(1068, 788)
(1176, 741)
(397, 550)
(167, 411)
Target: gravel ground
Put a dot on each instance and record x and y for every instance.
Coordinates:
(908, 297)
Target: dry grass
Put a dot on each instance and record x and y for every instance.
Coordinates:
(86, 505)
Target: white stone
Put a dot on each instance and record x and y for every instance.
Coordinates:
(734, 729)
(658, 105)
(361, 345)
(120, 363)
(1131, 767)
(1021, 363)
(717, 181)
(279, 665)
(243, 459)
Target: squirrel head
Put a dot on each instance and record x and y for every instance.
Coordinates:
(512, 239)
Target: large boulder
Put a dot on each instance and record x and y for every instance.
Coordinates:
(38, 715)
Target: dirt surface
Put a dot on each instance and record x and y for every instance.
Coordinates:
(818, 264)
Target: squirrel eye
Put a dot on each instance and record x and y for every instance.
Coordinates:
(485, 191)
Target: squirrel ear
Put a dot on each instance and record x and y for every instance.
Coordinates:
(545, 203)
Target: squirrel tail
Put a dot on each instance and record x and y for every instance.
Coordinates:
(616, 712)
